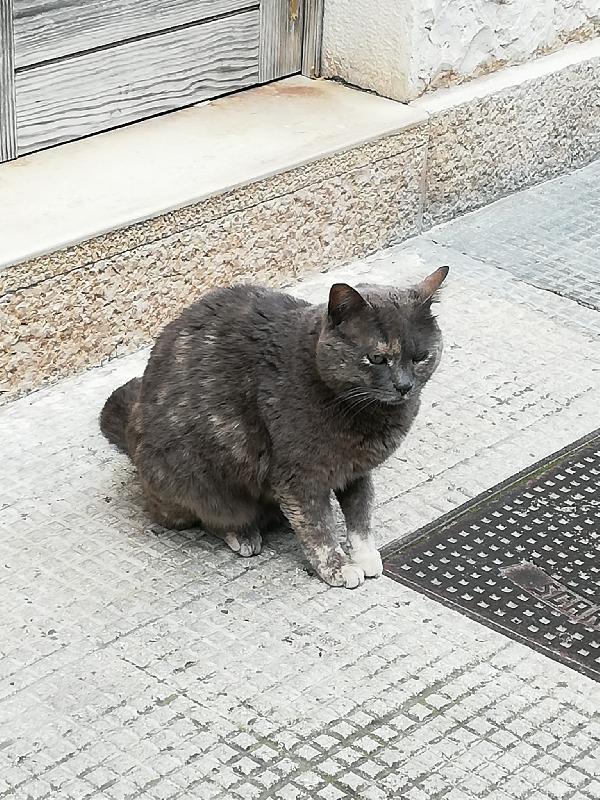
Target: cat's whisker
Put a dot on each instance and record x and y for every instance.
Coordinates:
(358, 405)
(364, 408)
(339, 400)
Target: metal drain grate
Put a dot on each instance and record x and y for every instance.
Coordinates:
(523, 558)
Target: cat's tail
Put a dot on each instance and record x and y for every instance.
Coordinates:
(115, 414)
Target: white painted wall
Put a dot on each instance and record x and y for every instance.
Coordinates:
(401, 48)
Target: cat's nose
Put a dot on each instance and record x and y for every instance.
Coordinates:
(404, 385)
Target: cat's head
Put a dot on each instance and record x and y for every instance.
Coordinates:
(380, 344)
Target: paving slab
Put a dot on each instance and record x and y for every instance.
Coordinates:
(143, 663)
(552, 243)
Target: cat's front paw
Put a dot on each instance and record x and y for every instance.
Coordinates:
(348, 576)
(353, 576)
(369, 561)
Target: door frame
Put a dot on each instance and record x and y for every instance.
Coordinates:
(312, 38)
(290, 38)
(8, 117)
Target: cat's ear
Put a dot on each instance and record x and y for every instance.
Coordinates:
(430, 285)
(343, 302)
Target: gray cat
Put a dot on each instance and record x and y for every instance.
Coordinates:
(255, 404)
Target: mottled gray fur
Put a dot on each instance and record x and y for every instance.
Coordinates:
(255, 403)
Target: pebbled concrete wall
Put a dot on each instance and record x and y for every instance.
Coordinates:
(402, 48)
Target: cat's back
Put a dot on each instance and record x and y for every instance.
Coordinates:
(221, 338)
(241, 307)
(235, 318)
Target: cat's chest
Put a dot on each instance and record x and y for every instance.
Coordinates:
(345, 457)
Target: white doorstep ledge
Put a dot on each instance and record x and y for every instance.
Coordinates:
(74, 192)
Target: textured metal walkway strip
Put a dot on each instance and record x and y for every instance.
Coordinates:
(522, 558)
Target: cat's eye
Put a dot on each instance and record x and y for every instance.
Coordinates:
(419, 357)
(376, 358)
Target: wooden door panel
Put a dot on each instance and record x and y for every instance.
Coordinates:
(68, 99)
(50, 29)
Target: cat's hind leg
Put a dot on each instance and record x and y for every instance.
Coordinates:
(168, 513)
(235, 520)
(247, 541)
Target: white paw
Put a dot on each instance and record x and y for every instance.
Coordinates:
(369, 561)
(353, 576)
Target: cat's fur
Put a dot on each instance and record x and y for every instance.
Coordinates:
(255, 403)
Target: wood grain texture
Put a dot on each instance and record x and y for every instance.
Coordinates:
(58, 28)
(312, 38)
(85, 94)
(281, 23)
(8, 138)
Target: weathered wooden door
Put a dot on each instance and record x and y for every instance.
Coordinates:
(70, 68)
